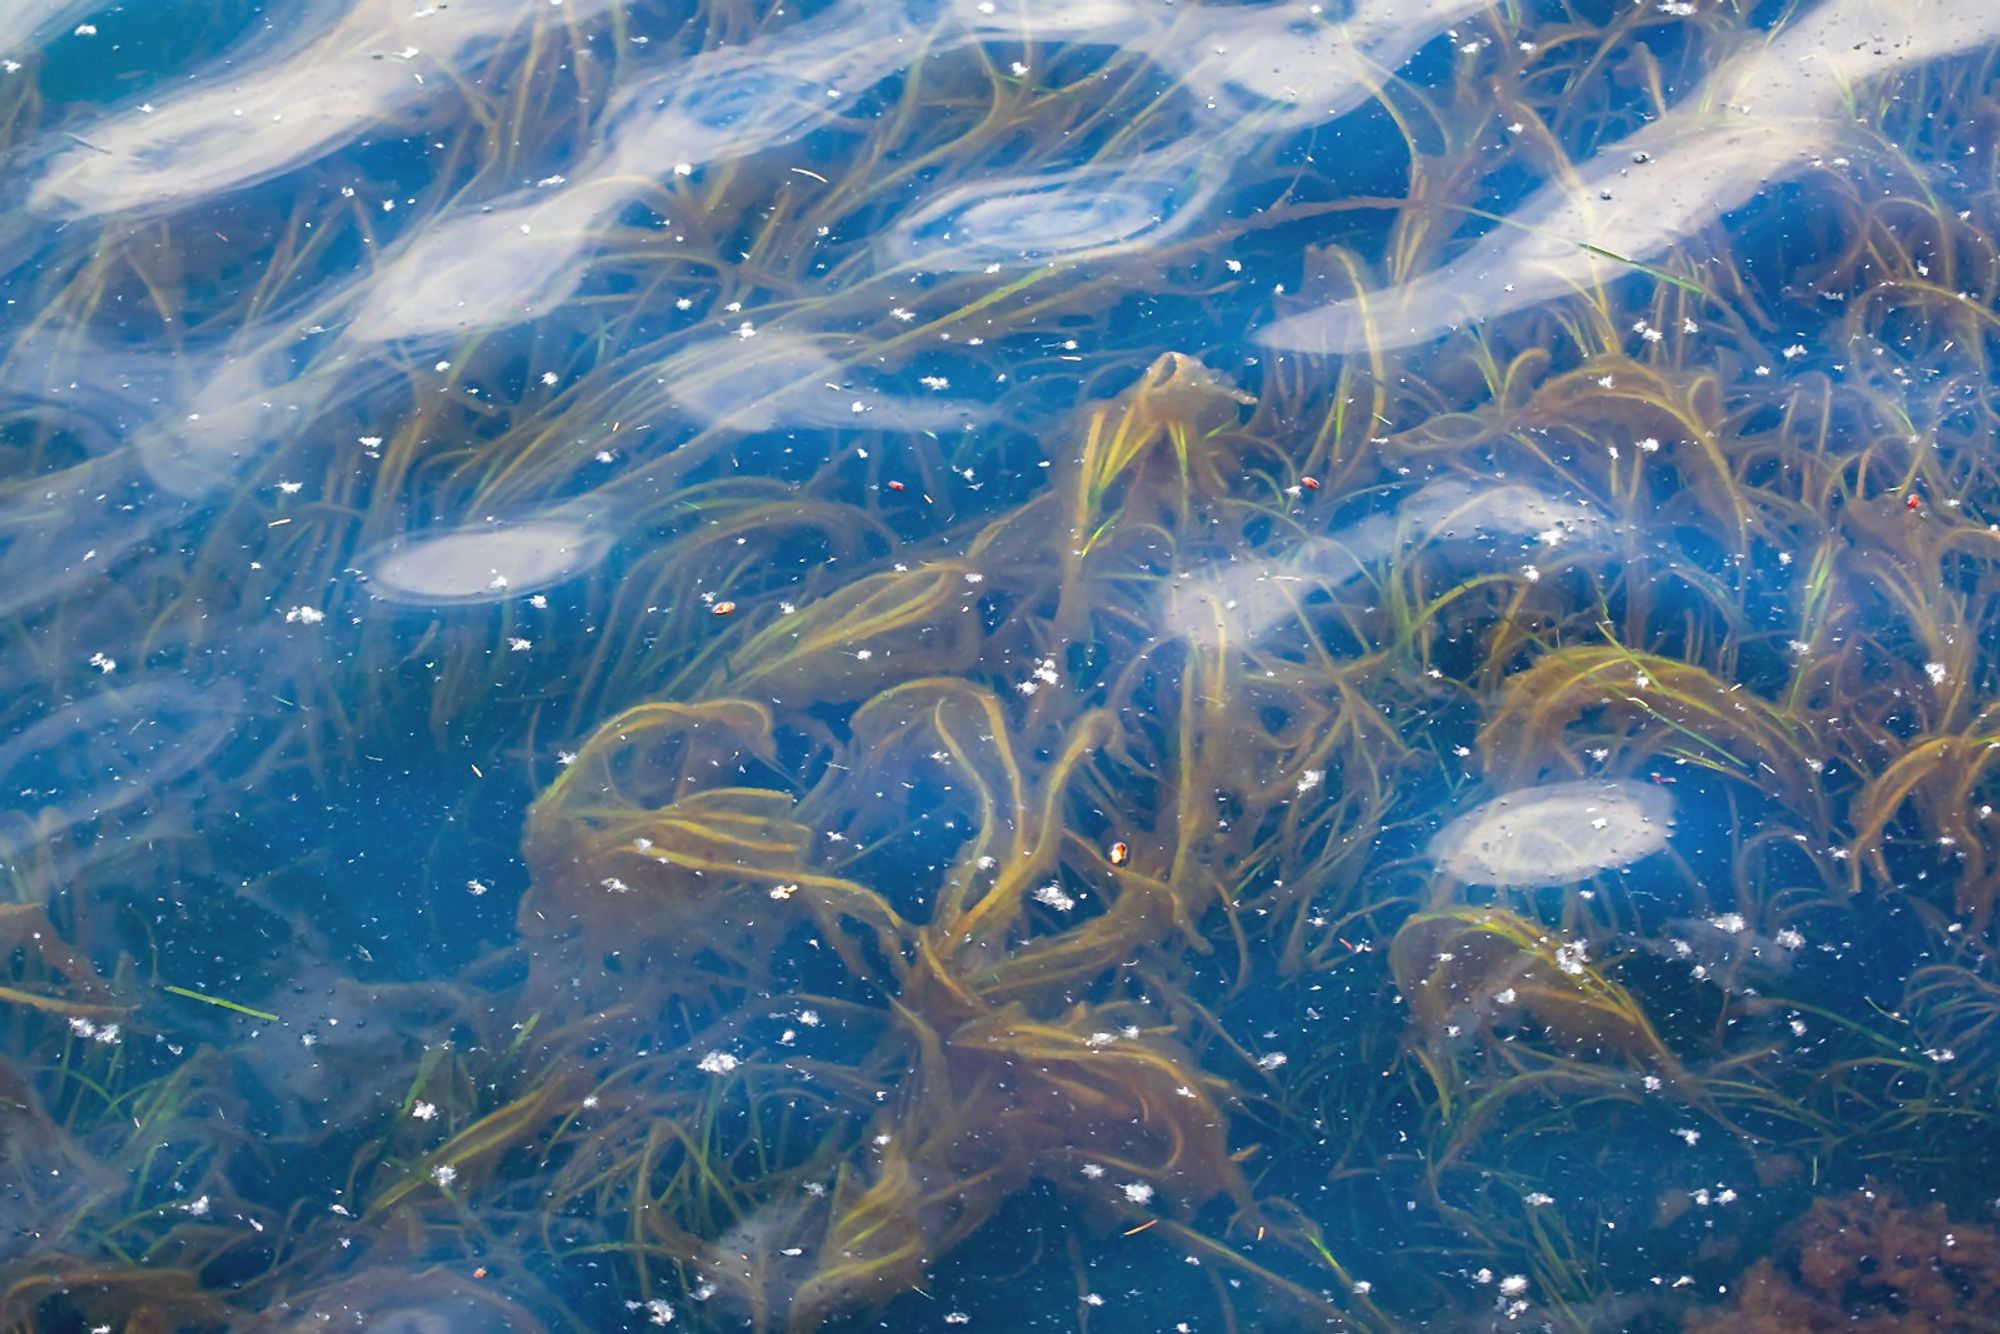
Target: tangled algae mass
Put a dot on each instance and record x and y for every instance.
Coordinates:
(1104, 666)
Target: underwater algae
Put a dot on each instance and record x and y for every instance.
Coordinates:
(954, 779)
(631, 853)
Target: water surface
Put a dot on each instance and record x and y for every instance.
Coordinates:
(1103, 665)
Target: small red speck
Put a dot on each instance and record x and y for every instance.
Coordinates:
(479, 1272)
(895, 486)
(1912, 502)
(723, 608)
(1309, 483)
(1120, 854)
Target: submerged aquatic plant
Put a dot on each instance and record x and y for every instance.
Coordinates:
(978, 763)
(690, 846)
(1867, 1261)
(1469, 971)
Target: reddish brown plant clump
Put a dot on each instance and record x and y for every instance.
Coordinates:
(1868, 1263)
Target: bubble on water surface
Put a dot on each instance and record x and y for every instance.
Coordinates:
(1555, 834)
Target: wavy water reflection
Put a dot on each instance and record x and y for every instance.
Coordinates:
(28, 24)
(337, 71)
(692, 663)
(121, 745)
(1774, 112)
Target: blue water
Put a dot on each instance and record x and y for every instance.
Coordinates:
(1107, 666)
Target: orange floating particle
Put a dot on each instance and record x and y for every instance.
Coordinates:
(895, 486)
(1912, 502)
(479, 1272)
(723, 608)
(1120, 854)
(1309, 483)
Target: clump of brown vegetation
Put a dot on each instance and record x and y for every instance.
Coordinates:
(1864, 1262)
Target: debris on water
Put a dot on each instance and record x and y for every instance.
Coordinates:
(1052, 896)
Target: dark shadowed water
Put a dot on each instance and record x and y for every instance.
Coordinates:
(1096, 665)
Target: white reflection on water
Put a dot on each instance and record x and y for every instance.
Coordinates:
(1285, 64)
(357, 66)
(1491, 526)
(74, 525)
(524, 254)
(1555, 834)
(1763, 116)
(94, 500)
(1078, 214)
(188, 421)
(148, 439)
(84, 759)
(1280, 66)
(775, 381)
(490, 562)
(781, 379)
(238, 404)
(26, 25)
